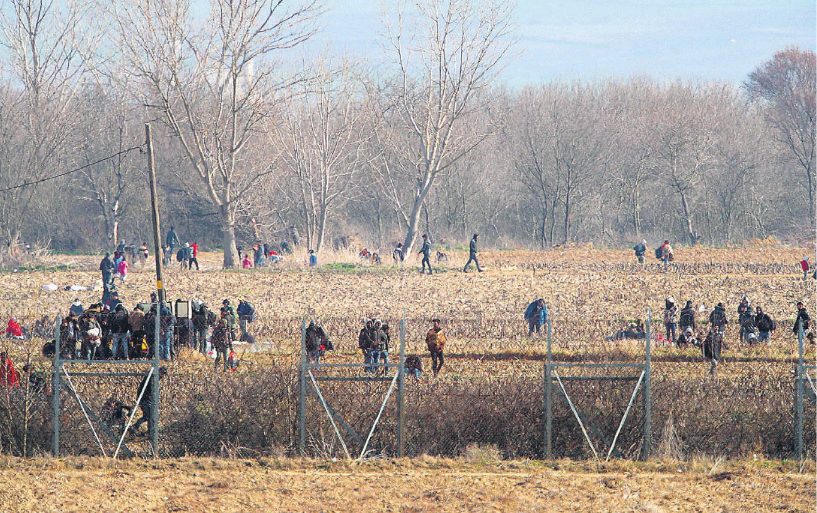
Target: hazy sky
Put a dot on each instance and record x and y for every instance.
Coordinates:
(589, 39)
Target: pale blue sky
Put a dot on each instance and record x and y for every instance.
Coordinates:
(591, 39)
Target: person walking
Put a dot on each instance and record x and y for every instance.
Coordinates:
(144, 253)
(670, 318)
(222, 339)
(686, 318)
(804, 266)
(765, 325)
(666, 254)
(172, 240)
(718, 318)
(537, 315)
(425, 250)
(107, 268)
(711, 348)
(123, 269)
(194, 246)
(640, 250)
(472, 254)
(435, 340)
(802, 321)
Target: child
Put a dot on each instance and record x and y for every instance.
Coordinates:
(123, 269)
(247, 263)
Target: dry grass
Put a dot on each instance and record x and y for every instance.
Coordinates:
(419, 485)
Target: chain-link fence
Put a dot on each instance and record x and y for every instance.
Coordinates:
(490, 392)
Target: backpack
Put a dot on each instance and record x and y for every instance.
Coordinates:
(180, 255)
(686, 317)
(658, 253)
(246, 310)
(530, 310)
(718, 317)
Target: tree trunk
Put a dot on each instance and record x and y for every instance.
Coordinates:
(228, 238)
(321, 229)
(690, 234)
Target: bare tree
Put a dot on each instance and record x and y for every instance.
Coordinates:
(452, 54)
(44, 40)
(787, 86)
(214, 84)
(322, 141)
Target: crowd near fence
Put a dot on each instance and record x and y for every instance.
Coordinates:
(550, 397)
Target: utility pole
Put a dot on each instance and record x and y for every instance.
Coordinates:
(160, 293)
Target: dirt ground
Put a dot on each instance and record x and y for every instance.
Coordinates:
(420, 485)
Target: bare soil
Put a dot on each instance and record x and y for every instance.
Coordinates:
(419, 485)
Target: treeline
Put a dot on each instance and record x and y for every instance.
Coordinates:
(430, 143)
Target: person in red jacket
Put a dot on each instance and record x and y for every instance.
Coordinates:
(14, 330)
(804, 266)
(8, 374)
(195, 259)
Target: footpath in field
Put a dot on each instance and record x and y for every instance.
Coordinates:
(421, 485)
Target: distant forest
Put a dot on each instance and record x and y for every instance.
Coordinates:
(250, 141)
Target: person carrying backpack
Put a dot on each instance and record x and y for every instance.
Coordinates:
(670, 321)
(246, 314)
(804, 266)
(435, 340)
(686, 318)
(536, 314)
(317, 342)
(718, 318)
(364, 343)
(640, 249)
(765, 325)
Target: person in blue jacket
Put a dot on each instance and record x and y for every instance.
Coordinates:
(537, 315)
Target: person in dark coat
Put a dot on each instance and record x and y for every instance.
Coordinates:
(711, 348)
(107, 267)
(764, 323)
(472, 254)
(686, 319)
(718, 318)
(803, 320)
(425, 250)
(146, 402)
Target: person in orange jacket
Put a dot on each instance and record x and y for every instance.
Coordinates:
(435, 340)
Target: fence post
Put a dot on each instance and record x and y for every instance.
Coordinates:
(56, 386)
(647, 440)
(401, 385)
(302, 393)
(548, 397)
(798, 395)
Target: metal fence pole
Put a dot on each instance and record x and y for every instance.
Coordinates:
(56, 386)
(548, 393)
(401, 385)
(798, 395)
(647, 440)
(160, 292)
(302, 393)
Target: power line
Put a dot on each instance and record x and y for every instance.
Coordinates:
(66, 173)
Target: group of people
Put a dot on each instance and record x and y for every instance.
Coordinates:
(373, 341)
(262, 254)
(110, 331)
(755, 326)
(663, 253)
(187, 256)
